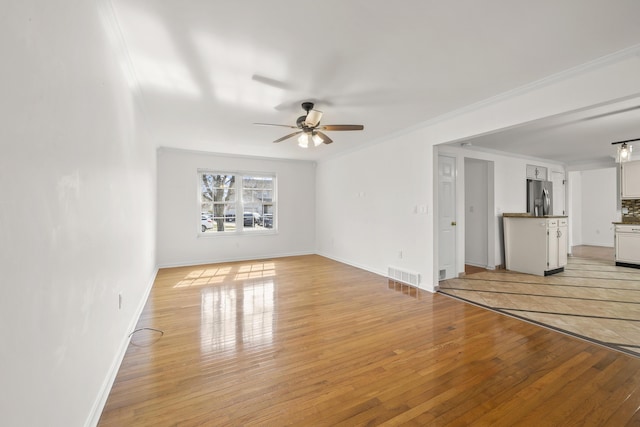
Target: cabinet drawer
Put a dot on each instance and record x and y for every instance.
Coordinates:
(562, 222)
(628, 247)
(627, 228)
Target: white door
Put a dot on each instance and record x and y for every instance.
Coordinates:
(557, 178)
(446, 217)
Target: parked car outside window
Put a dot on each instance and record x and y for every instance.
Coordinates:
(207, 223)
(251, 219)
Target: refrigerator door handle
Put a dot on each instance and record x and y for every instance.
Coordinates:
(545, 202)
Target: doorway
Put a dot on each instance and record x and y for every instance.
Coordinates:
(476, 212)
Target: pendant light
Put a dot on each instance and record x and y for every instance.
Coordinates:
(624, 150)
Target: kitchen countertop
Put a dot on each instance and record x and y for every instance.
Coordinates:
(528, 215)
(626, 222)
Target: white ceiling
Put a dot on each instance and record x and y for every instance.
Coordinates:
(581, 139)
(208, 69)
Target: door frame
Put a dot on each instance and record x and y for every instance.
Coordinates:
(494, 218)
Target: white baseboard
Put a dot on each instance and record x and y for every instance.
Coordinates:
(98, 406)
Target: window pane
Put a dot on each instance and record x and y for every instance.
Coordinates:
(257, 195)
(218, 187)
(217, 198)
(268, 216)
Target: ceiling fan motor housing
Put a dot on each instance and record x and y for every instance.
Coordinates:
(300, 122)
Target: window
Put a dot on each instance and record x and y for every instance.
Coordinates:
(223, 195)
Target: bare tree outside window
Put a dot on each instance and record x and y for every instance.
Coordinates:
(218, 194)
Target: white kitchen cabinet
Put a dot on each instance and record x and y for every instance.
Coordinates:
(627, 244)
(535, 245)
(538, 173)
(630, 179)
(563, 241)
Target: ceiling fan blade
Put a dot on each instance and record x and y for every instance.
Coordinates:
(324, 138)
(272, 124)
(288, 136)
(342, 127)
(313, 118)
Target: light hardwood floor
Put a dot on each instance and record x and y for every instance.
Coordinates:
(309, 341)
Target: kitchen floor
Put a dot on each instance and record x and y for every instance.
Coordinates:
(592, 299)
(598, 252)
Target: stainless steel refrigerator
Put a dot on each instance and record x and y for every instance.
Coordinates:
(539, 197)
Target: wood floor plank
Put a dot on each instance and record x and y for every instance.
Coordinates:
(310, 341)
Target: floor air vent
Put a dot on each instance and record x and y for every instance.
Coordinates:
(404, 276)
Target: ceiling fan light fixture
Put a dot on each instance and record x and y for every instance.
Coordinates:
(316, 139)
(303, 140)
(313, 118)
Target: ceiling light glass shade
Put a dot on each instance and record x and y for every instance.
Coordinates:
(313, 118)
(303, 140)
(624, 153)
(316, 140)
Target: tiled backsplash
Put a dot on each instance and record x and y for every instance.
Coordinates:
(633, 205)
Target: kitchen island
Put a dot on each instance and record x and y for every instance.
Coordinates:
(535, 244)
(627, 243)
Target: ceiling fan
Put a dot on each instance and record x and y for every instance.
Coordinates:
(310, 129)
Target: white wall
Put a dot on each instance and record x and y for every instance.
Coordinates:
(179, 210)
(77, 176)
(374, 204)
(599, 206)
